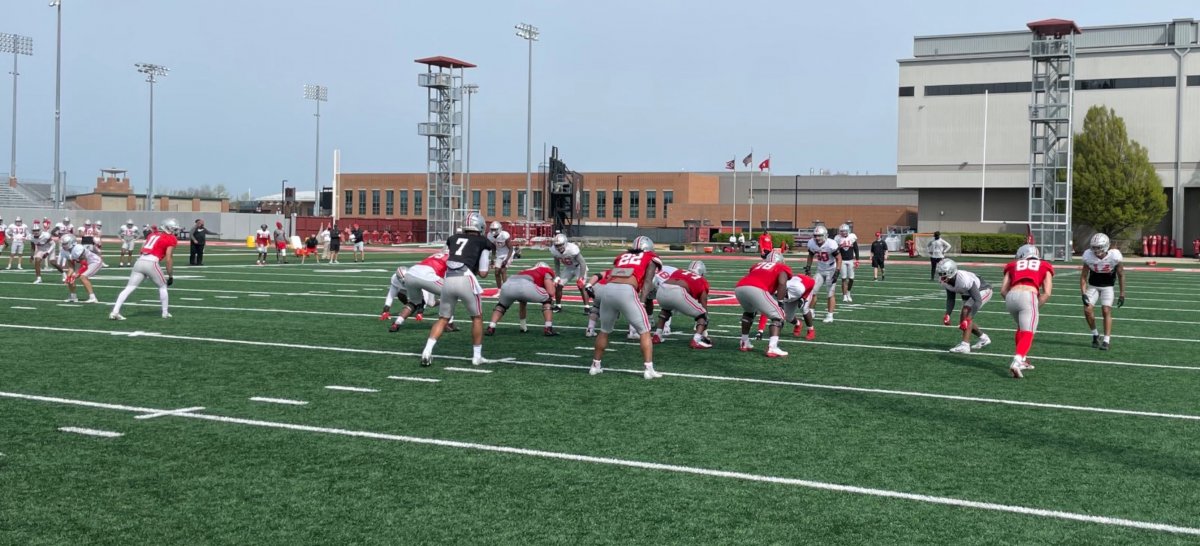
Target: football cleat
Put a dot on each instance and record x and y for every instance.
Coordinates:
(395, 327)
(166, 315)
(700, 344)
(649, 373)
(796, 331)
(426, 360)
(418, 317)
(828, 318)
(1103, 345)
(595, 370)
(962, 347)
(451, 327)
(984, 341)
(91, 299)
(587, 310)
(1095, 341)
(745, 347)
(758, 336)
(479, 360)
(633, 335)
(589, 333)
(115, 316)
(811, 335)
(385, 315)
(776, 353)
(1015, 368)
(656, 339)
(489, 331)
(556, 307)
(549, 331)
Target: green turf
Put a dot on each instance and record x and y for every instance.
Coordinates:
(184, 480)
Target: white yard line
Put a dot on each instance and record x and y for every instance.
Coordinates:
(278, 401)
(557, 355)
(92, 432)
(350, 389)
(660, 467)
(24, 308)
(411, 378)
(468, 370)
(169, 412)
(192, 299)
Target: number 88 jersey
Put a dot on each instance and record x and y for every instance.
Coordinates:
(1030, 271)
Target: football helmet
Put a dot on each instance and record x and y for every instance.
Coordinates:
(560, 242)
(18, 220)
(36, 227)
(99, 223)
(87, 222)
(643, 243)
(698, 268)
(495, 227)
(1028, 251)
(1100, 244)
(68, 241)
(129, 222)
(401, 271)
(473, 222)
(66, 221)
(947, 269)
(540, 264)
(844, 230)
(775, 257)
(263, 227)
(820, 234)
(170, 225)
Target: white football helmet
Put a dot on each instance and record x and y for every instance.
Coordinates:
(698, 268)
(844, 230)
(401, 272)
(643, 243)
(129, 222)
(775, 257)
(473, 222)
(947, 269)
(99, 223)
(66, 221)
(87, 222)
(495, 227)
(1100, 244)
(540, 264)
(560, 242)
(820, 234)
(68, 241)
(36, 227)
(18, 220)
(1028, 251)
(170, 225)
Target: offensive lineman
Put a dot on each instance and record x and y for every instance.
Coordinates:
(129, 236)
(569, 267)
(1027, 284)
(1101, 269)
(622, 293)
(975, 292)
(829, 264)
(470, 254)
(847, 243)
(532, 285)
(685, 291)
(160, 245)
(502, 240)
(16, 234)
(760, 291)
(424, 279)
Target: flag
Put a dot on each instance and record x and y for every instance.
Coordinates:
(766, 164)
(748, 159)
(729, 164)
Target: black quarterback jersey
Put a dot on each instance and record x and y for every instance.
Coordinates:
(466, 251)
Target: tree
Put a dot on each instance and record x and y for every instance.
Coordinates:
(203, 191)
(1116, 188)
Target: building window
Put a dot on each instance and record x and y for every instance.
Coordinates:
(537, 203)
(491, 211)
(391, 203)
(585, 204)
(617, 204)
(506, 203)
(403, 202)
(977, 88)
(375, 202)
(1193, 81)
(475, 199)
(349, 200)
(651, 204)
(668, 199)
(601, 204)
(521, 204)
(1124, 83)
(362, 202)
(633, 204)
(416, 202)
(906, 91)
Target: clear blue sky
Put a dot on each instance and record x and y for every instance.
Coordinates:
(620, 85)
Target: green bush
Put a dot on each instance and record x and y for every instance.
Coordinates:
(990, 243)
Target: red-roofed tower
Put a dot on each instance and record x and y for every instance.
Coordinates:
(446, 205)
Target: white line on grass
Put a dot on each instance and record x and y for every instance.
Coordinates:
(259, 295)
(469, 370)
(278, 401)
(169, 412)
(557, 354)
(676, 469)
(607, 350)
(24, 308)
(91, 432)
(192, 299)
(68, 305)
(411, 378)
(350, 389)
(225, 297)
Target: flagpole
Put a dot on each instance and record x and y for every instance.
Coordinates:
(735, 159)
(768, 228)
(751, 192)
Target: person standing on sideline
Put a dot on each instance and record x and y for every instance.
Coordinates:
(16, 235)
(937, 249)
(324, 238)
(160, 245)
(198, 239)
(879, 254)
(360, 243)
(470, 254)
(1027, 284)
(335, 244)
(280, 238)
(765, 246)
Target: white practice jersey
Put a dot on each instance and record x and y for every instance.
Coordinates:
(81, 254)
(825, 254)
(1102, 271)
(501, 240)
(129, 234)
(63, 229)
(43, 242)
(17, 232)
(398, 282)
(664, 272)
(569, 257)
(964, 281)
(796, 290)
(262, 235)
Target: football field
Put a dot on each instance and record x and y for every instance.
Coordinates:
(275, 407)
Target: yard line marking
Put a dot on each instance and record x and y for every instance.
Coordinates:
(169, 412)
(24, 308)
(411, 378)
(607, 350)
(192, 299)
(471, 370)
(92, 432)
(557, 354)
(350, 389)
(353, 290)
(676, 469)
(259, 295)
(226, 297)
(67, 305)
(278, 401)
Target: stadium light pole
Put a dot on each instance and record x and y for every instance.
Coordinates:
(529, 33)
(152, 71)
(57, 189)
(317, 94)
(471, 89)
(17, 45)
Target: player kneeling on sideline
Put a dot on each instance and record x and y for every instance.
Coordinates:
(82, 264)
(530, 286)
(43, 248)
(829, 264)
(1027, 284)
(468, 261)
(760, 291)
(975, 292)
(160, 245)
(1101, 269)
(799, 298)
(622, 293)
(426, 279)
(685, 291)
(569, 267)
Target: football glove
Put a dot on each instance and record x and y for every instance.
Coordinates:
(558, 281)
(591, 291)
(965, 325)
(170, 280)
(946, 320)
(1120, 301)
(1085, 299)
(855, 264)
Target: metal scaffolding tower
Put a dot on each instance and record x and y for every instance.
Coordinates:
(1051, 141)
(446, 203)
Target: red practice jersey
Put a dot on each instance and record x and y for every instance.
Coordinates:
(157, 244)
(538, 274)
(1031, 271)
(634, 264)
(437, 263)
(764, 243)
(696, 284)
(765, 275)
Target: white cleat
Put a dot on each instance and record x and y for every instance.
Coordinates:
(70, 300)
(589, 333)
(962, 347)
(116, 316)
(1017, 368)
(479, 361)
(91, 300)
(166, 315)
(984, 341)
(649, 373)
(595, 370)
(634, 335)
(37, 280)
(849, 298)
(776, 353)
(828, 318)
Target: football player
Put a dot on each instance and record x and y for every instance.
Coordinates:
(1027, 284)
(16, 235)
(87, 235)
(262, 240)
(160, 246)
(1102, 269)
(622, 293)
(129, 236)
(280, 239)
(43, 248)
(396, 290)
(829, 265)
(590, 289)
(685, 291)
(661, 274)
(502, 240)
(470, 255)
(760, 291)
(532, 285)
(847, 244)
(82, 264)
(422, 287)
(569, 267)
(99, 245)
(799, 298)
(974, 292)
